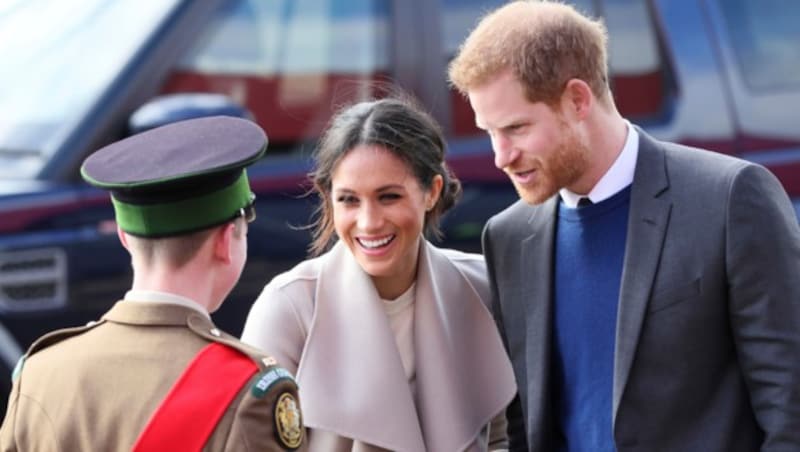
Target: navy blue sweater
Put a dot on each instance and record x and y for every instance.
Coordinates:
(589, 253)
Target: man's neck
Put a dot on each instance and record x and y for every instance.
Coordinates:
(606, 138)
(182, 283)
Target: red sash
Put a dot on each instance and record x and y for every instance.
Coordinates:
(188, 415)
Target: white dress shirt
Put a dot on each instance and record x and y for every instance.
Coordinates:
(619, 176)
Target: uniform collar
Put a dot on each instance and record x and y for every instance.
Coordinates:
(165, 314)
(154, 296)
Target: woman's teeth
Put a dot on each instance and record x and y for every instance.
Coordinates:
(375, 243)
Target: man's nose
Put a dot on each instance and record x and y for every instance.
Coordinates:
(504, 152)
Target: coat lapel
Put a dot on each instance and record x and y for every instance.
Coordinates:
(537, 297)
(351, 364)
(464, 377)
(647, 226)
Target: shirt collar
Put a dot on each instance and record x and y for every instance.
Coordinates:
(619, 176)
(153, 296)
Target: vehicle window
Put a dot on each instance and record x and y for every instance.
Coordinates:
(585, 6)
(459, 17)
(49, 80)
(290, 62)
(640, 77)
(766, 40)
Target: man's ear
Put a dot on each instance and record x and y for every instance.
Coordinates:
(223, 241)
(577, 99)
(123, 239)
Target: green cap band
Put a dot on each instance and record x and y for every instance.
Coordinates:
(160, 220)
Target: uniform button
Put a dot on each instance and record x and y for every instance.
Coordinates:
(269, 361)
(215, 332)
(91, 323)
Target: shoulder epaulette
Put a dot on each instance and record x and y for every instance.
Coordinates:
(213, 334)
(49, 339)
(57, 336)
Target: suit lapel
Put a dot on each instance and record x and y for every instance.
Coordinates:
(351, 358)
(647, 226)
(537, 298)
(463, 375)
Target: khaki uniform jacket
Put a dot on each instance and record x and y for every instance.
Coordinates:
(95, 388)
(331, 328)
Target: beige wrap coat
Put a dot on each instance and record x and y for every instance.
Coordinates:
(324, 321)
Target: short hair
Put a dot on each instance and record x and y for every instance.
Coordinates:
(176, 251)
(398, 125)
(543, 43)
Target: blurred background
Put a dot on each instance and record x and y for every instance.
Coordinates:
(79, 74)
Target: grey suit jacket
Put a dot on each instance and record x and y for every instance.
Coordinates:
(707, 352)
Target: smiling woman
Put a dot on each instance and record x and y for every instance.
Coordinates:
(379, 212)
(379, 326)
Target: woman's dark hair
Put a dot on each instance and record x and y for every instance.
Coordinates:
(401, 127)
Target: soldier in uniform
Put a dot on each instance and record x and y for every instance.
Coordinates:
(154, 373)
